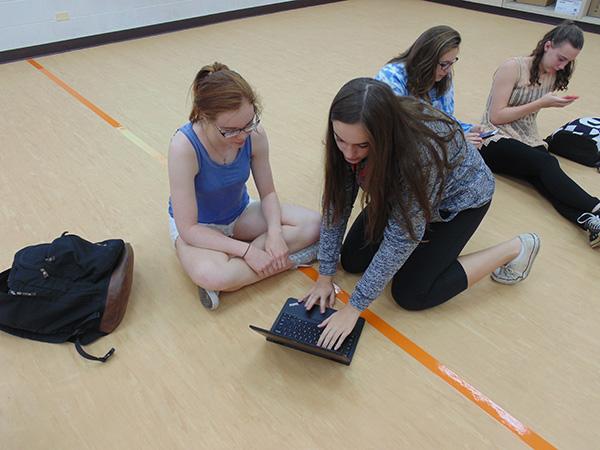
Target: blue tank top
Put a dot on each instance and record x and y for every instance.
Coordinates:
(221, 193)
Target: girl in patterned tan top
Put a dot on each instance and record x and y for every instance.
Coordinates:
(521, 87)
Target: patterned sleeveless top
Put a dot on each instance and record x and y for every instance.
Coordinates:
(524, 129)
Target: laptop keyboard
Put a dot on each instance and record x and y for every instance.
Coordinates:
(306, 332)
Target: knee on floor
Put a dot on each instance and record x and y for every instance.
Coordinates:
(411, 300)
(350, 264)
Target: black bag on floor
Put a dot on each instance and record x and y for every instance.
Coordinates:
(578, 141)
(69, 290)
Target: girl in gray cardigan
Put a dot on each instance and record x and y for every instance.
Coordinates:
(425, 191)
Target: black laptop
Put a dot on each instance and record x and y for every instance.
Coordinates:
(296, 327)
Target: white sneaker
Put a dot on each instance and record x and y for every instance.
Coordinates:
(209, 299)
(591, 222)
(517, 270)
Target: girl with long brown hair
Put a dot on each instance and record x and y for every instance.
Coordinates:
(224, 240)
(424, 71)
(425, 193)
(522, 86)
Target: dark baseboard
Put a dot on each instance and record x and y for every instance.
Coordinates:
(135, 33)
(589, 27)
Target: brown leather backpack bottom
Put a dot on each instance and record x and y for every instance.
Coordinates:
(118, 291)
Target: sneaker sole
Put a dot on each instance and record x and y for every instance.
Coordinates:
(536, 249)
(207, 301)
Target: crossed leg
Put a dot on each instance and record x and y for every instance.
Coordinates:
(219, 271)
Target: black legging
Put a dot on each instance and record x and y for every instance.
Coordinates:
(431, 275)
(542, 170)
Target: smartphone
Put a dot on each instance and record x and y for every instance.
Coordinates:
(487, 134)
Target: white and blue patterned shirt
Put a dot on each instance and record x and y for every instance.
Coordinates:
(395, 76)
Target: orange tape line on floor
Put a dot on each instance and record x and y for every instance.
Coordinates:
(531, 438)
(112, 122)
(104, 116)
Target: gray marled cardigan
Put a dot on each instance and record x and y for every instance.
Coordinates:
(469, 184)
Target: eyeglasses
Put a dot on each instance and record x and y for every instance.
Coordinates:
(445, 65)
(252, 126)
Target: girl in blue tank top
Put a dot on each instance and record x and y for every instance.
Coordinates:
(223, 240)
(221, 194)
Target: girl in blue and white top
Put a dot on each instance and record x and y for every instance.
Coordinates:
(223, 239)
(424, 71)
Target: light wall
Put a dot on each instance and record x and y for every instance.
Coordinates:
(25, 23)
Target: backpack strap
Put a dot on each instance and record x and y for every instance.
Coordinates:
(76, 339)
(86, 355)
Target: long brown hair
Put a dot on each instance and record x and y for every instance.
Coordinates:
(396, 169)
(422, 57)
(567, 31)
(218, 89)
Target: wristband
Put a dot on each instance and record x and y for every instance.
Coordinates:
(246, 252)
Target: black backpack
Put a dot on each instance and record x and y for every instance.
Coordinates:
(68, 290)
(578, 141)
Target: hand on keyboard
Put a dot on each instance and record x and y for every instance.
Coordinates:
(322, 293)
(337, 327)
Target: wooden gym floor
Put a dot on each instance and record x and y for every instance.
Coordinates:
(497, 367)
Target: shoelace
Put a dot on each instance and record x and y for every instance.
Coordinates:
(590, 221)
(507, 272)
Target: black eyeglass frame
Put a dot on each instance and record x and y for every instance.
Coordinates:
(252, 126)
(445, 65)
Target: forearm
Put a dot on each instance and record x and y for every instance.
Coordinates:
(272, 212)
(395, 248)
(330, 243)
(332, 233)
(510, 114)
(385, 264)
(203, 237)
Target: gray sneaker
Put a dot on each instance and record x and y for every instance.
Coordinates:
(517, 270)
(591, 223)
(305, 256)
(209, 299)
